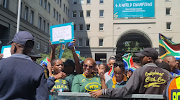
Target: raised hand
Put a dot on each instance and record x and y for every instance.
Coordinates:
(101, 73)
(60, 75)
(1, 55)
(96, 94)
(53, 46)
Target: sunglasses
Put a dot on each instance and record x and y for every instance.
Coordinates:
(87, 66)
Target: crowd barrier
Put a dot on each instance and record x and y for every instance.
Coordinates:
(86, 96)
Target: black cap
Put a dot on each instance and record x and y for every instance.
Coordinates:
(149, 52)
(69, 62)
(22, 37)
(32, 54)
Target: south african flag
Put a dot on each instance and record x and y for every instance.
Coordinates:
(128, 62)
(167, 47)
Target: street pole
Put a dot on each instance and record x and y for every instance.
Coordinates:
(18, 17)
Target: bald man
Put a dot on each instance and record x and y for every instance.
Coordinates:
(159, 60)
(171, 60)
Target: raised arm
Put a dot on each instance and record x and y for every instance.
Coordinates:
(53, 50)
(76, 59)
(102, 77)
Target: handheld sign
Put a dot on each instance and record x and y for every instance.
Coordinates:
(63, 46)
(6, 51)
(78, 53)
(62, 33)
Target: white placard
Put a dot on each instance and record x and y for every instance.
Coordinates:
(59, 33)
(6, 51)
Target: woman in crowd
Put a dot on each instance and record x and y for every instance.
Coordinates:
(86, 82)
(119, 79)
(111, 61)
(103, 67)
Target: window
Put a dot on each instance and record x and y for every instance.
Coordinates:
(47, 28)
(101, 1)
(45, 2)
(57, 1)
(68, 12)
(60, 3)
(26, 13)
(87, 43)
(59, 18)
(87, 26)
(54, 13)
(80, 13)
(40, 2)
(80, 27)
(45, 48)
(5, 3)
(32, 17)
(74, 14)
(88, 1)
(88, 13)
(63, 21)
(168, 11)
(101, 13)
(74, 1)
(167, 0)
(39, 24)
(49, 7)
(74, 26)
(80, 42)
(38, 46)
(64, 8)
(101, 27)
(81, 2)
(168, 26)
(44, 26)
(100, 42)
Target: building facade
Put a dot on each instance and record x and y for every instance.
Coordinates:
(100, 35)
(36, 17)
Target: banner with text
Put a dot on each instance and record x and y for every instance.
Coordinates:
(133, 8)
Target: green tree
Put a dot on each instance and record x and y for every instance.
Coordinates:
(67, 54)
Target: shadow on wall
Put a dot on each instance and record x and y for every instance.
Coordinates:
(77, 15)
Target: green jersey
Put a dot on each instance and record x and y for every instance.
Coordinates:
(61, 85)
(83, 84)
(70, 80)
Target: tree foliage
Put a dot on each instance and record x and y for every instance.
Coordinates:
(67, 54)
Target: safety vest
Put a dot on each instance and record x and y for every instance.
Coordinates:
(173, 89)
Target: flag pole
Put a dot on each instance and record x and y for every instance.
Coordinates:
(18, 17)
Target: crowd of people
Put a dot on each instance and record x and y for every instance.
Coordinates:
(22, 78)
